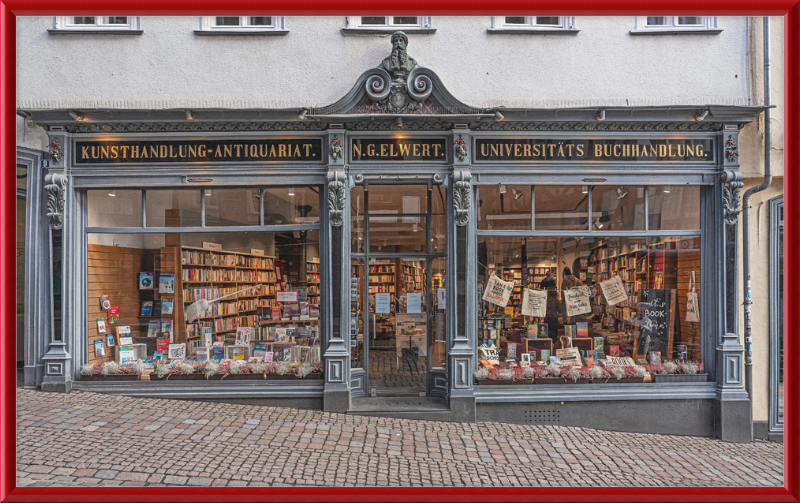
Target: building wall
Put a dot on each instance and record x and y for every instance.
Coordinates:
(315, 64)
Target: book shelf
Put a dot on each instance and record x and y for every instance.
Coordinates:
(514, 274)
(312, 281)
(537, 274)
(381, 278)
(205, 274)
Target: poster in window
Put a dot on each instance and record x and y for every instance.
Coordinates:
(614, 290)
(577, 301)
(534, 303)
(498, 291)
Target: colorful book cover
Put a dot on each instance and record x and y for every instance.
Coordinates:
(99, 350)
(113, 315)
(238, 354)
(110, 340)
(218, 352)
(147, 308)
(166, 283)
(156, 307)
(276, 313)
(166, 306)
(613, 350)
(533, 331)
(243, 336)
(158, 356)
(260, 349)
(207, 339)
(166, 326)
(545, 354)
(682, 352)
(655, 357)
(486, 364)
(268, 357)
(145, 281)
(126, 354)
(254, 359)
(543, 330)
(202, 353)
(177, 350)
(124, 337)
(104, 302)
(591, 359)
(153, 328)
(162, 344)
(583, 329)
(313, 311)
(598, 342)
(101, 326)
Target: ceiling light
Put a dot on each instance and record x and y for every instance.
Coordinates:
(112, 193)
(621, 193)
(207, 193)
(600, 115)
(399, 122)
(415, 228)
(78, 117)
(667, 188)
(701, 115)
(585, 189)
(189, 115)
(502, 189)
(598, 224)
(517, 193)
(302, 114)
(291, 191)
(498, 116)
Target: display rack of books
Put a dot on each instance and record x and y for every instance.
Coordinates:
(312, 280)
(356, 313)
(381, 279)
(514, 274)
(537, 274)
(207, 274)
(413, 278)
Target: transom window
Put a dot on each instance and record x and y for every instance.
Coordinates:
(96, 23)
(654, 25)
(390, 21)
(253, 25)
(549, 21)
(655, 21)
(242, 21)
(533, 24)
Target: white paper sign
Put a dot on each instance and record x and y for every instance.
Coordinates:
(286, 296)
(577, 301)
(441, 298)
(498, 291)
(534, 303)
(614, 290)
(382, 303)
(414, 303)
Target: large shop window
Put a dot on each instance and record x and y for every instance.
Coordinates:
(620, 280)
(146, 288)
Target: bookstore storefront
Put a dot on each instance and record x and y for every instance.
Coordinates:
(529, 266)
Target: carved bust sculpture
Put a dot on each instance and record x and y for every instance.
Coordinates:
(399, 59)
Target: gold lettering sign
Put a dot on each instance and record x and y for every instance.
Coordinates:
(627, 150)
(193, 151)
(397, 149)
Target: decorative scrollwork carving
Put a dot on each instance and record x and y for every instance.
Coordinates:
(336, 202)
(461, 202)
(147, 127)
(592, 126)
(419, 85)
(55, 186)
(378, 84)
(730, 201)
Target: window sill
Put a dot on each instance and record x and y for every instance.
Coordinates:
(93, 31)
(239, 33)
(677, 32)
(532, 31)
(386, 31)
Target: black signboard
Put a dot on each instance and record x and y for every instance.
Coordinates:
(206, 151)
(397, 149)
(656, 316)
(636, 150)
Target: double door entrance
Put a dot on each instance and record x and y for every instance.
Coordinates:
(397, 289)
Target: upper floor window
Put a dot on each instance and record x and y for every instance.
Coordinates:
(90, 24)
(672, 25)
(242, 25)
(533, 24)
(380, 24)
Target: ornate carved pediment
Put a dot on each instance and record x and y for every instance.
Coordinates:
(398, 86)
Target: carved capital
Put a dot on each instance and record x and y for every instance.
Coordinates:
(730, 201)
(462, 190)
(336, 198)
(55, 187)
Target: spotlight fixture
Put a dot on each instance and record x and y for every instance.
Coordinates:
(189, 115)
(498, 116)
(701, 115)
(600, 115)
(399, 122)
(517, 193)
(112, 193)
(415, 228)
(75, 115)
(302, 114)
(598, 224)
(621, 194)
(502, 189)
(667, 189)
(585, 189)
(207, 193)
(291, 191)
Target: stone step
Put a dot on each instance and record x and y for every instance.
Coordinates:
(421, 407)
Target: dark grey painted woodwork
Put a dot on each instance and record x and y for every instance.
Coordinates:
(775, 422)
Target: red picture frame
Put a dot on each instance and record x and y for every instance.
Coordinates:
(9, 9)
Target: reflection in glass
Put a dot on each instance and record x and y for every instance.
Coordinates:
(173, 208)
(114, 208)
(617, 208)
(673, 207)
(561, 208)
(291, 205)
(504, 207)
(231, 207)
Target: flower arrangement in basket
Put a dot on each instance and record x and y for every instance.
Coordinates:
(56, 152)
(112, 370)
(336, 148)
(575, 373)
(690, 368)
(461, 148)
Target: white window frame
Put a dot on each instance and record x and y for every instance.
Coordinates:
(208, 26)
(566, 24)
(66, 23)
(708, 25)
(355, 22)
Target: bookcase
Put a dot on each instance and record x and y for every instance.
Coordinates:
(312, 281)
(205, 274)
(537, 274)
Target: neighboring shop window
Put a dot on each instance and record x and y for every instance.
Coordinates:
(603, 292)
(408, 24)
(654, 25)
(144, 286)
(96, 23)
(532, 23)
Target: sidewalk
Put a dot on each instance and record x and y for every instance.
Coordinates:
(90, 439)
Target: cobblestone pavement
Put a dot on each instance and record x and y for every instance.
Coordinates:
(91, 439)
(384, 374)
